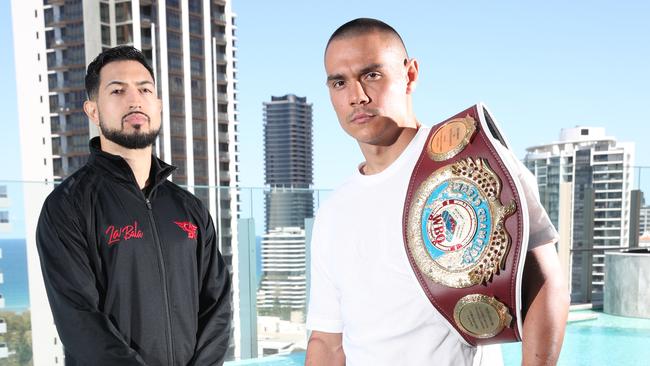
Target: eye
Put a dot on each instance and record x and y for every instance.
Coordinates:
(146, 90)
(337, 84)
(117, 91)
(373, 75)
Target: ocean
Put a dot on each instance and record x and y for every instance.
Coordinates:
(13, 266)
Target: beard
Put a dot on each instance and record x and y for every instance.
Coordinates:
(134, 140)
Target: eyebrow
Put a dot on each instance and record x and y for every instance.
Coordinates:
(370, 67)
(365, 70)
(122, 83)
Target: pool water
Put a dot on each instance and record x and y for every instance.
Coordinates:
(294, 359)
(607, 340)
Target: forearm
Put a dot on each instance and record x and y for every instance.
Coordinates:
(547, 303)
(322, 352)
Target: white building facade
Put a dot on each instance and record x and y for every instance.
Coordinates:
(283, 272)
(585, 181)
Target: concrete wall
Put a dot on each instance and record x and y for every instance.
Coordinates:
(627, 284)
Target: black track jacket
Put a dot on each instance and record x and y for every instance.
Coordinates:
(133, 279)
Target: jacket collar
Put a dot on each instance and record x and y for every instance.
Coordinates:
(117, 167)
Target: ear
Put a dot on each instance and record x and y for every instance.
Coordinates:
(412, 73)
(90, 107)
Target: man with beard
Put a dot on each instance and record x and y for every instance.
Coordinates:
(130, 260)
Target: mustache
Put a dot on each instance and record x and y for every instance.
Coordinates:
(135, 112)
(357, 111)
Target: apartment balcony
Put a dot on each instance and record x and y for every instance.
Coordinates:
(222, 117)
(4, 350)
(607, 162)
(220, 38)
(219, 18)
(222, 77)
(145, 20)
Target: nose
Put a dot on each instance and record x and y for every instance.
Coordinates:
(135, 100)
(358, 95)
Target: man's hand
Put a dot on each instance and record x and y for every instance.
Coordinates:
(325, 349)
(546, 306)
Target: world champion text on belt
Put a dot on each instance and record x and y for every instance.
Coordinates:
(455, 229)
(455, 226)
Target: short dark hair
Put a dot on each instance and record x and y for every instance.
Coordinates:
(119, 53)
(361, 26)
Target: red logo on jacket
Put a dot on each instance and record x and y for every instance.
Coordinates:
(188, 227)
(124, 233)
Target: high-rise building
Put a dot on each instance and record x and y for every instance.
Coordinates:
(191, 46)
(644, 221)
(644, 226)
(5, 224)
(585, 182)
(283, 287)
(288, 159)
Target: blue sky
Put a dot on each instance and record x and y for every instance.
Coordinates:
(539, 66)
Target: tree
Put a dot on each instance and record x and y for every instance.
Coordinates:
(18, 338)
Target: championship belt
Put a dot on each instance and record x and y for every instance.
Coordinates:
(465, 227)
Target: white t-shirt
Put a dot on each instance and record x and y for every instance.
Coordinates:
(362, 284)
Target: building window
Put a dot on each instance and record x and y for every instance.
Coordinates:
(194, 6)
(198, 88)
(198, 108)
(174, 41)
(196, 25)
(176, 84)
(175, 62)
(3, 191)
(177, 105)
(123, 12)
(124, 34)
(173, 20)
(78, 143)
(103, 13)
(106, 35)
(196, 67)
(196, 46)
(75, 55)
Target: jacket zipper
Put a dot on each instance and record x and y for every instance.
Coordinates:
(161, 261)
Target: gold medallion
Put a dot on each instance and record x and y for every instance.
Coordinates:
(481, 316)
(451, 138)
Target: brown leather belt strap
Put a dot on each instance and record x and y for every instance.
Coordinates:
(465, 227)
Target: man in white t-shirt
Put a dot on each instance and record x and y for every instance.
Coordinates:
(366, 306)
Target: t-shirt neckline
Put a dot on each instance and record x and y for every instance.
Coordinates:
(395, 166)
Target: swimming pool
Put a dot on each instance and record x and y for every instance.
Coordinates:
(606, 340)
